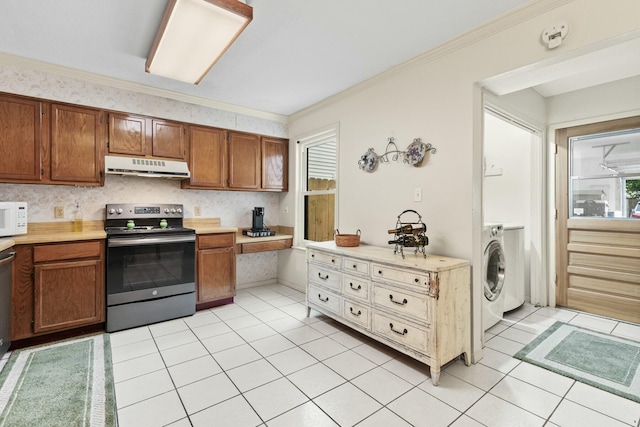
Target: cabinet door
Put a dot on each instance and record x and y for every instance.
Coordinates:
(244, 161)
(275, 168)
(20, 139)
(127, 134)
(216, 274)
(168, 139)
(207, 157)
(78, 137)
(68, 295)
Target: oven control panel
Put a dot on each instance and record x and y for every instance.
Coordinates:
(133, 211)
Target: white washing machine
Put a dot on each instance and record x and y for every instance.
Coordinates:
(493, 270)
(514, 283)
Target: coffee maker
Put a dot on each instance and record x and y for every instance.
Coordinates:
(257, 225)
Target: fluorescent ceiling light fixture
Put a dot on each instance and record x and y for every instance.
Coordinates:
(193, 35)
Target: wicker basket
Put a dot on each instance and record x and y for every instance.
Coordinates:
(348, 240)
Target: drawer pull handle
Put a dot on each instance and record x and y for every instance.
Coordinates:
(404, 331)
(355, 289)
(416, 280)
(313, 255)
(403, 302)
(355, 266)
(380, 272)
(333, 260)
(323, 300)
(354, 313)
(323, 278)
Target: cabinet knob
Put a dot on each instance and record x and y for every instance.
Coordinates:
(416, 280)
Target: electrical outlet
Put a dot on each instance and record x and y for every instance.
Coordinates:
(196, 211)
(286, 209)
(58, 212)
(417, 194)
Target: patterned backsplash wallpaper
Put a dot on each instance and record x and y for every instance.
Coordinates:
(232, 207)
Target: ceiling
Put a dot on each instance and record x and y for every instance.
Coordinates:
(293, 54)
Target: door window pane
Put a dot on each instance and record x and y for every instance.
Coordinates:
(605, 168)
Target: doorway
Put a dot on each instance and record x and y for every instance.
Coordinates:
(513, 195)
(598, 239)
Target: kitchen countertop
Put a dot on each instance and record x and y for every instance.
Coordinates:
(51, 232)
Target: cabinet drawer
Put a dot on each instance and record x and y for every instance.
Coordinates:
(356, 287)
(324, 258)
(401, 276)
(324, 276)
(59, 252)
(401, 301)
(325, 299)
(355, 266)
(356, 313)
(272, 245)
(221, 240)
(402, 332)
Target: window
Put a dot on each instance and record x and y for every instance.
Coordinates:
(318, 171)
(605, 174)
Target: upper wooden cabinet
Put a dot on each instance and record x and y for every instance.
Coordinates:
(77, 141)
(144, 136)
(20, 139)
(50, 143)
(275, 167)
(244, 161)
(127, 134)
(207, 158)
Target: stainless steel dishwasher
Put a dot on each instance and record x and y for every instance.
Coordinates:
(6, 264)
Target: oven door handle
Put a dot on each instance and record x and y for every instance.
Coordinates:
(114, 241)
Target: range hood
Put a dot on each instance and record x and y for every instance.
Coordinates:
(141, 166)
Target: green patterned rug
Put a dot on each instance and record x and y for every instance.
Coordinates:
(603, 361)
(67, 383)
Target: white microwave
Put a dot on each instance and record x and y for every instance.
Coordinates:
(13, 218)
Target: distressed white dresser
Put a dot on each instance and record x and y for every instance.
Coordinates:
(419, 306)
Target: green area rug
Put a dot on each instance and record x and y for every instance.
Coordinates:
(603, 361)
(68, 383)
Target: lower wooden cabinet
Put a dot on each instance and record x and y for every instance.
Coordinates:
(57, 287)
(215, 268)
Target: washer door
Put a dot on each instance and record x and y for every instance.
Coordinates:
(493, 270)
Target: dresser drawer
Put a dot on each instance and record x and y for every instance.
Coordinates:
(356, 313)
(325, 299)
(324, 276)
(402, 332)
(405, 277)
(355, 287)
(355, 266)
(325, 258)
(401, 301)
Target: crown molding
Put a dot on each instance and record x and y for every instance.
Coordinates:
(47, 67)
(507, 20)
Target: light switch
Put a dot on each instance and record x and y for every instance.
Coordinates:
(417, 194)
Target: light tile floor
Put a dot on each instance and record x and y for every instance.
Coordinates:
(262, 362)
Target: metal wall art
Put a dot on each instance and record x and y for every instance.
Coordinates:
(413, 155)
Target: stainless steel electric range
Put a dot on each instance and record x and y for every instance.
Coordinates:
(150, 272)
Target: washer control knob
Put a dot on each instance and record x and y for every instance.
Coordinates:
(112, 211)
(119, 211)
(166, 210)
(173, 210)
(179, 210)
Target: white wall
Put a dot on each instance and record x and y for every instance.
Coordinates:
(436, 98)
(232, 207)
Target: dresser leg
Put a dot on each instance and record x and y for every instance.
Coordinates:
(435, 376)
(308, 311)
(466, 358)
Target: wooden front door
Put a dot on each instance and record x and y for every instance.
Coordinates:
(598, 242)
